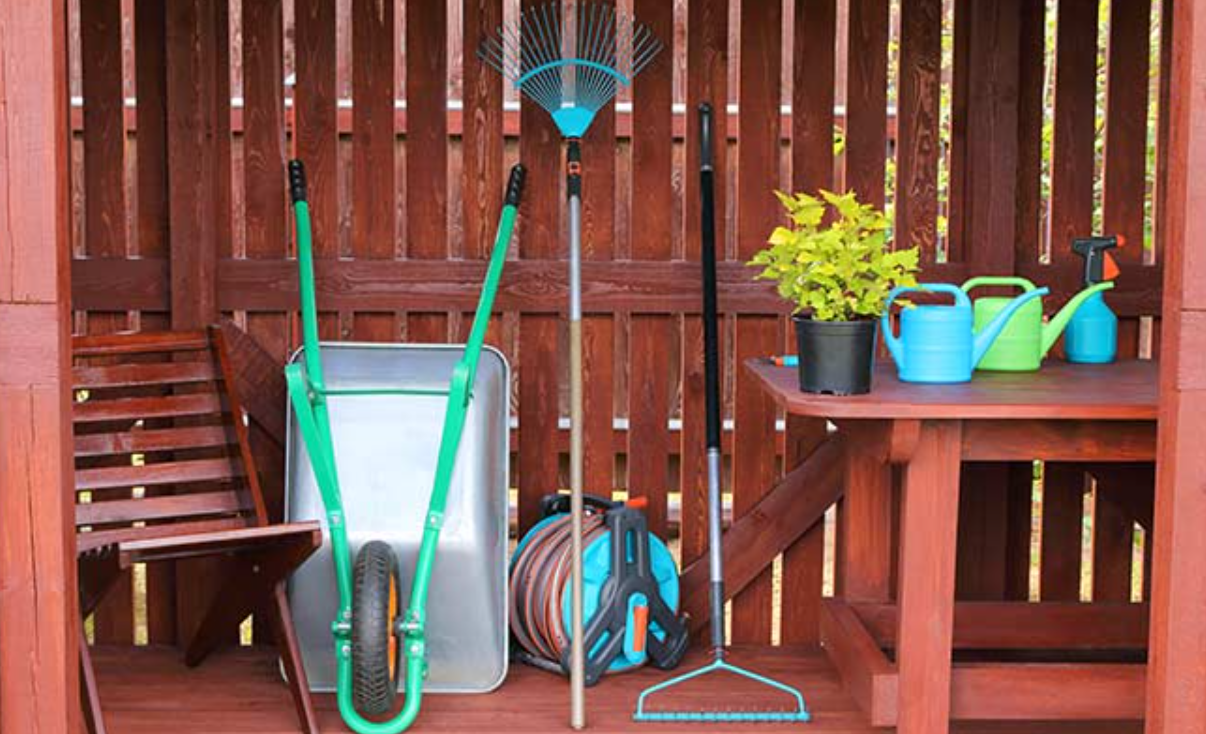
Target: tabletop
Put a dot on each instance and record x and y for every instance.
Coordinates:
(1126, 390)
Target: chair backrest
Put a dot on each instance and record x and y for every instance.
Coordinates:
(161, 445)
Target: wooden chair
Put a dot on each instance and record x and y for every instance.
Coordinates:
(164, 472)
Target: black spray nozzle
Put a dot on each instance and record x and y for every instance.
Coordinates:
(705, 136)
(297, 181)
(1099, 266)
(515, 185)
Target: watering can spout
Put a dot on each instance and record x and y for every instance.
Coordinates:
(1055, 326)
(986, 336)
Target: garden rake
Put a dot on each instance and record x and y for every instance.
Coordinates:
(715, 549)
(572, 65)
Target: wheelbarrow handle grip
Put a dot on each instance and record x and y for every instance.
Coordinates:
(297, 180)
(515, 185)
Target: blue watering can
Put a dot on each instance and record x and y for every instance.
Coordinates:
(937, 344)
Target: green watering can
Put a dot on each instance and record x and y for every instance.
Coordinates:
(1025, 340)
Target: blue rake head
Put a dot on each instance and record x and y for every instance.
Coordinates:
(570, 62)
(799, 714)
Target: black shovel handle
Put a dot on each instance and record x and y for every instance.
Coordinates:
(707, 211)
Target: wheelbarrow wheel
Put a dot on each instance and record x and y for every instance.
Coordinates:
(376, 652)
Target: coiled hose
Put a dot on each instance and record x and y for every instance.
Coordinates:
(539, 584)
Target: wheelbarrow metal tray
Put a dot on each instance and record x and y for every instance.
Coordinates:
(386, 448)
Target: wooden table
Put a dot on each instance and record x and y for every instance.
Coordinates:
(1061, 413)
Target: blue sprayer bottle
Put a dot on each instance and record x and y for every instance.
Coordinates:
(1092, 333)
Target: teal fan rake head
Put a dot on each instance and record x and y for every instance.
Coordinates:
(572, 62)
(718, 665)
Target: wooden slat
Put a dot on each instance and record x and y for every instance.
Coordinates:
(142, 374)
(373, 174)
(94, 539)
(315, 135)
(1063, 513)
(171, 406)
(987, 104)
(1072, 163)
(1027, 626)
(164, 439)
(224, 541)
(200, 470)
(264, 220)
(649, 388)
(707, 60)
(981, 570)
(918, 145)
(427, 150)
(107, 345)
(104, 131)
(754, 469)
(539, 374)
(1125, 164)
(866, 100)
(1065, 440)
(1031, 77)
(159, 508)
(998, 691)
(198, 179)
(812, 165)
(599, 332)
(482, 147)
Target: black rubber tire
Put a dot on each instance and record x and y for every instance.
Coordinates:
(374, 607)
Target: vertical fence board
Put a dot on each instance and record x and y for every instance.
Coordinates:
(754, 467)
(264, 154)
(1031, 69)
(1072, 164)
(152, 241)
(1063, 514)
(199, 198)
(600, 149)
(315, 135)
(373, 175)
(707, 81)
(539, 371)
(427, 144)
(917, 146)
(867, 99)
(105, 216)
(812, 163)
(652, 210)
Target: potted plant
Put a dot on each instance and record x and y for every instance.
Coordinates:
(834, 265)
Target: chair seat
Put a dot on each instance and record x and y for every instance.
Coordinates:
(308, 534)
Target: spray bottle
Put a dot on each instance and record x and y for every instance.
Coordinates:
(1092, 333)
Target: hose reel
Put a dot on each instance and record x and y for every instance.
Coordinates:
(631, 593)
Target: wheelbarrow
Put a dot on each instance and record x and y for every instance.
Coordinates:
(378, 433)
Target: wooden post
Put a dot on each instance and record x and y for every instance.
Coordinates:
(39, 622)
(1176, 697)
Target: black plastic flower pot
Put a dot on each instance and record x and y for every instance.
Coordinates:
(835, 356)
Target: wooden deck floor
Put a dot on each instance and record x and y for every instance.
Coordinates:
(148, 691)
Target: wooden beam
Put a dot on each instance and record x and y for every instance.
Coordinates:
(867, 674)
(39, 618)
(1177, 692)
(770, 526)
(1026, 626)
(1029, 440)
(1047, 691)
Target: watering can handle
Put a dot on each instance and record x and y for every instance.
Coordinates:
(998, 280)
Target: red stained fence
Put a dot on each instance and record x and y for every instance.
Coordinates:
(182, 215)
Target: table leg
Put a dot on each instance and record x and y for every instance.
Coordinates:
(866, 524)
(929, 525)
